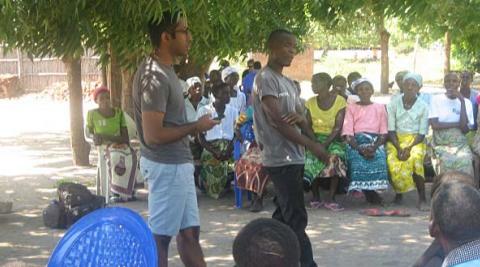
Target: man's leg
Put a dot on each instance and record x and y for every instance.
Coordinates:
(288, 184)
(162, 242)
(188, 240)
(188, 245)
(166, 203)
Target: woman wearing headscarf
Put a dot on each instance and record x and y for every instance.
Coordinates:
(407, 127)
(193, 101)
(217, 142)
(451, 116)
(365, 130)
(238, 99)
(117, 161)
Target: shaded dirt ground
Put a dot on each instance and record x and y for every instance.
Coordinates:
(35, 154)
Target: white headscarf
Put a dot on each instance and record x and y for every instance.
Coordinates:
(360, 81)
(417, 77)
(193, 80)
(227, 72)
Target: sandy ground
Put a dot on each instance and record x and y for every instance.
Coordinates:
(35, 154)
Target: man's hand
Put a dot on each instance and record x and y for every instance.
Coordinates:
(319, 151)
(205, 123)
(293, 118)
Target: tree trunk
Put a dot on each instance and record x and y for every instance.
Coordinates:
(384, 38)
(448, 49)
(114, 78)
(104, 76)
(127, 100)
(80, 147)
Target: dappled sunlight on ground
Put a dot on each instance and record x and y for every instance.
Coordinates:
(35, 155)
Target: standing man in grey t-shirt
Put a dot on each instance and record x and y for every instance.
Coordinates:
(279, 120)
(166, 161)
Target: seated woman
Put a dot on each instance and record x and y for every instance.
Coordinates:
(325, 115)
(193, 101)
(407, 127)
(117, 162)
(365, 130)
(450, 116)
(238, 100)
(218, 142)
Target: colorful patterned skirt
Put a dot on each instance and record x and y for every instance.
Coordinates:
(401, 172)
(315, 168)
(451, 151)
(367, 174)
(250, 173)
(214, 172)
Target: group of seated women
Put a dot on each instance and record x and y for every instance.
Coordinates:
(377, 146)
(381, 146)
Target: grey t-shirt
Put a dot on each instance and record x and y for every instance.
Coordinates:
(277, 150)
(156, 88)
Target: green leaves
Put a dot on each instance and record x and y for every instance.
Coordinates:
(223, 28)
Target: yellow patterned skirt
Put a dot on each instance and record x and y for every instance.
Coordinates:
(401, 172)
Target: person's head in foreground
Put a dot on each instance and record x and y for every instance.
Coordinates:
(451, 176)
(266, 243)
(321, 83)
(363, 87)
(281, 45)
(455, 218)
(399, 79)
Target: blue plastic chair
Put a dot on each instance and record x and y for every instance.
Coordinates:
(107, 237)
(238, 192)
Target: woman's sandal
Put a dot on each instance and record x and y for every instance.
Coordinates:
(333, 206)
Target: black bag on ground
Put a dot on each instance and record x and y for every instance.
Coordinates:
(74, 201)
(54, 215)
(73, 214)
(72, 194)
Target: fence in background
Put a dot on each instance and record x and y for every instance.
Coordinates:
(39, 73)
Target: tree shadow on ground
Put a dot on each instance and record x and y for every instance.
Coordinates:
(35, 162)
